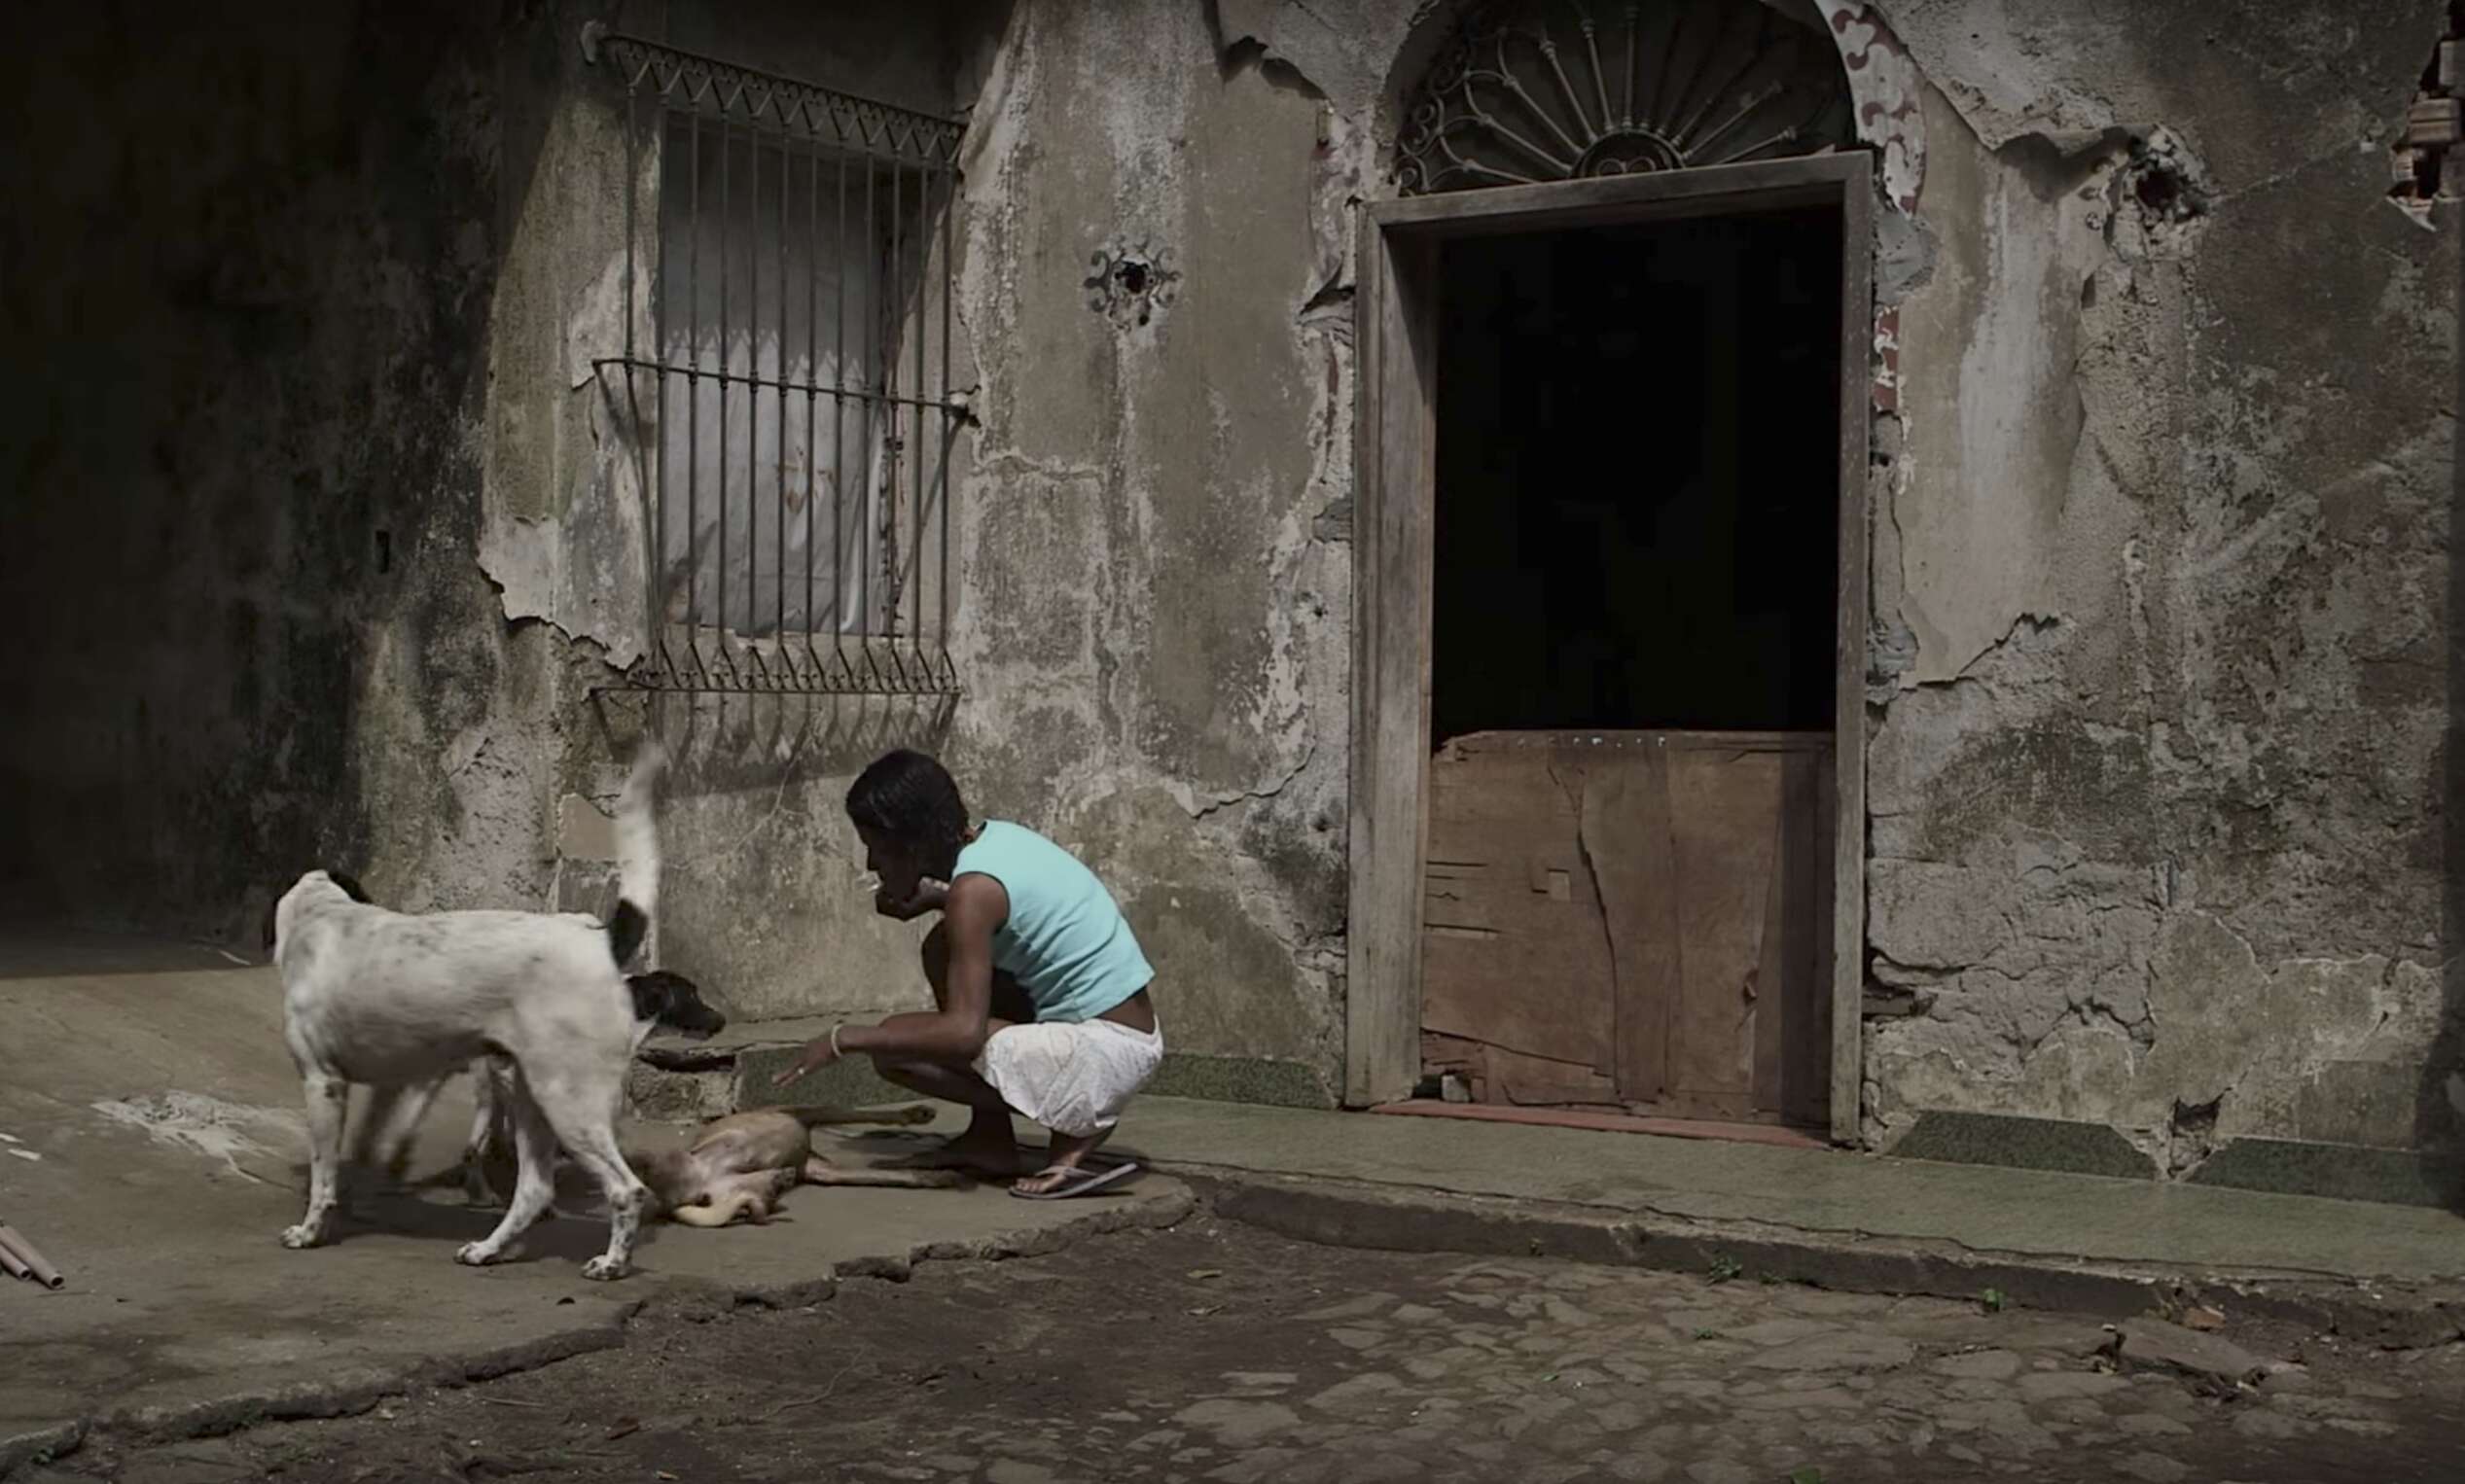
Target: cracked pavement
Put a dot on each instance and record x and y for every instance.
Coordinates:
(1213, 1352)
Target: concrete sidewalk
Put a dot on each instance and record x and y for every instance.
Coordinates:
(2092, 1244)
(1844, 1219)
(151, 1142)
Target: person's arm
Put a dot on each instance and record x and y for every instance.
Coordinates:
(973, 907)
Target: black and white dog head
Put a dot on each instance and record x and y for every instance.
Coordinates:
(672, 1001)
(341, 881)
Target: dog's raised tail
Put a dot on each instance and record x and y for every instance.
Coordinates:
(637, 856)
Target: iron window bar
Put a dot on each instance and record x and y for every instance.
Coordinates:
(871, 188)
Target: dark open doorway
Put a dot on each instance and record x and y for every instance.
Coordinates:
(1664, 917)
(1636, 605)
(1638, 466)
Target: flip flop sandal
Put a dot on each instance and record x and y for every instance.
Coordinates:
(1077, 1182)
(1095, 1159)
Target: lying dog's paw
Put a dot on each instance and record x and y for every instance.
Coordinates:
(603, 1270)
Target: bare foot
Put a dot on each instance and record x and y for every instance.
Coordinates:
(1045, 1180)
(1065, 1153)
(987, 1147)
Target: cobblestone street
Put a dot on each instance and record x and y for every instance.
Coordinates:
(1212, 1352)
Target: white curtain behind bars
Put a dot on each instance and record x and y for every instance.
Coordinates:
(771, 265)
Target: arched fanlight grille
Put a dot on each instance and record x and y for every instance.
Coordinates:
(1529, 91)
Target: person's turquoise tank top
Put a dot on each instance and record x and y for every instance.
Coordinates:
(1066, 941)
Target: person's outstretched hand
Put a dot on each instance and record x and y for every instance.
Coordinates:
(819, 1053)
(931, 896)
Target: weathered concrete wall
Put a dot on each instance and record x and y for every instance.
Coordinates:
(336, 363)
(1152, 622)
(758, 900)
(2165, 467)
(1157, 652)
(248, 280)
(2163, 583)
(1151, 518)
(2164, 475)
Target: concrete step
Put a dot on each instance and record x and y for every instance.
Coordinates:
(2399, 1316)
(2392, 1275)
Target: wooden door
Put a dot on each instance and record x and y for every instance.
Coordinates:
(1637, 920)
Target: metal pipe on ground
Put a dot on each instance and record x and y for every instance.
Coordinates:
(37, 1267)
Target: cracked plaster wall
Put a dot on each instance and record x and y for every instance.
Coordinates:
(381, 261)
(758, 900)
(1158, 649)
(2160, 571)
(2161, 581)
(1150, 532)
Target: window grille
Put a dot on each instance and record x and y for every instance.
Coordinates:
(792, 267)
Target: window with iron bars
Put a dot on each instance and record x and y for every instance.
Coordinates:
(793, 273)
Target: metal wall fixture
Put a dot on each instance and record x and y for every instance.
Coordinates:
(1131, 283)
(1533, 90)
(787, 370)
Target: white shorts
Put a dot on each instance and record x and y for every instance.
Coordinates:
(1072, 1076)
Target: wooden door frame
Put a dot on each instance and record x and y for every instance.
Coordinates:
(1394, 576)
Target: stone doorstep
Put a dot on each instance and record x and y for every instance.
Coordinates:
(1350, 1214)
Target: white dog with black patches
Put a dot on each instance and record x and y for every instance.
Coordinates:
(397, 1000)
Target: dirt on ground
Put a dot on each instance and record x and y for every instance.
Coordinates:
(1214, 1352)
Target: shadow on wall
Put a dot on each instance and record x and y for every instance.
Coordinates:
(2439, 1108)
(739, 741)
(761, 900)
(244, 471)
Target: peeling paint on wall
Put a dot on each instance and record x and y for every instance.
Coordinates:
(2156, 825)
(2163, 460)
(1890, 111)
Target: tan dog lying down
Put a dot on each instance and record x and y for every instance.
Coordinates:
(740, 1166)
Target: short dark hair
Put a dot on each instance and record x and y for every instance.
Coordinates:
(911, 797)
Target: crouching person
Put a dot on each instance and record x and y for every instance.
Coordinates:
(1040, 990)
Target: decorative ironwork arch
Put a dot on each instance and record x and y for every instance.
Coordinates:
(1529, 91)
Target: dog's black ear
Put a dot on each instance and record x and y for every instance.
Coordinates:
(350, 886)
